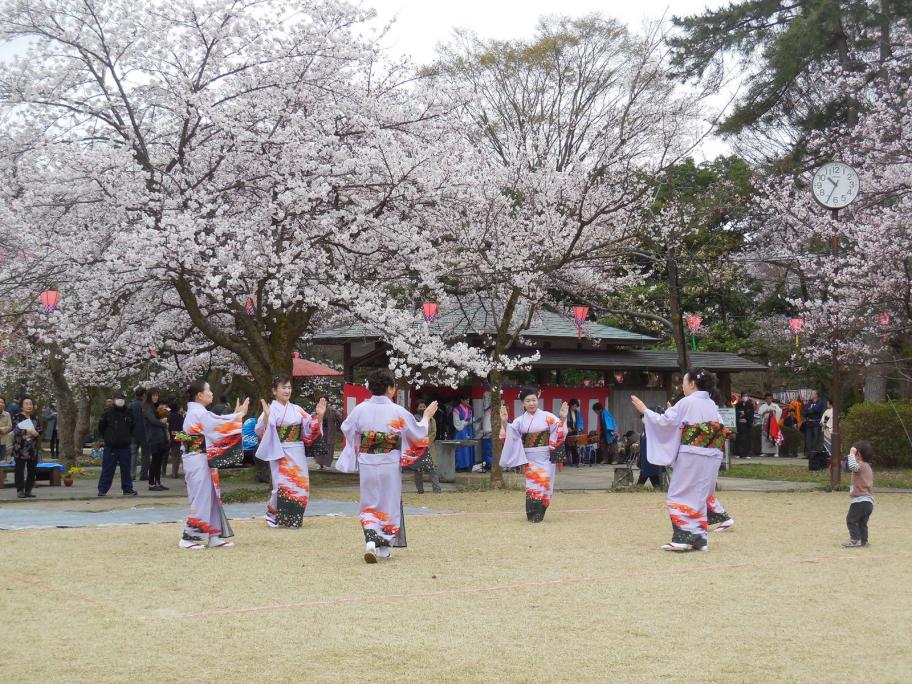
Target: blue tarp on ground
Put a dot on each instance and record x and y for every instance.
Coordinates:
(18, 517)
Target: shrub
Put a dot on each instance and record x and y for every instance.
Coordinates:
(878, 423)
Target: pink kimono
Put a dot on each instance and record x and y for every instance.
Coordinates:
(282, 443)
(689, 437)
(530, 440)
(210, 442)
(380, 438)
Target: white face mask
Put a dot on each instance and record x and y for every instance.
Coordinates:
(118, 402)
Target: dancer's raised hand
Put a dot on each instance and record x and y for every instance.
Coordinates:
(564, 411)
(242, 408)
(504, 415)
(638, 403)
(266, 409)
(430, 410)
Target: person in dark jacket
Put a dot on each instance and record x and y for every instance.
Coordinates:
(116, 429)
(175, 426)
(138, 449)
(156, 429)
(744, 423)
(813, 414)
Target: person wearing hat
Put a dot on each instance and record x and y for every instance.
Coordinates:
(116, 429)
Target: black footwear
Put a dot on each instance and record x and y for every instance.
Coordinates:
(20, 495)
(29, 495)
(132, 492)
(102, 493)
(162, 487)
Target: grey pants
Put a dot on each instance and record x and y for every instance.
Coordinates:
(435, 480)
(139, 452)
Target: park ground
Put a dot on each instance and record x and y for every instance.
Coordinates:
(479, 595)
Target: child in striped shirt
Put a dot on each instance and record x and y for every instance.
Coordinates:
(862, 493)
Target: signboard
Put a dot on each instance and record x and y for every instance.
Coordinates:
(728, 417)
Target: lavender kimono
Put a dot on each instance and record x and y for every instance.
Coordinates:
(530, 440)
(210, 442)
(690, 437)
(282, 444)
(381, 437)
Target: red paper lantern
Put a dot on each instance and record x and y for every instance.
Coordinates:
(884, 325)
(693, 323)
(580, 315)
(430, 311)
(795, 325)
(49, 300)
(250, 307)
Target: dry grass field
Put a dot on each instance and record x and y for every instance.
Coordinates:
(480, 595)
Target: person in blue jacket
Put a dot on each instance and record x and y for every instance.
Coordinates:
(608, 434)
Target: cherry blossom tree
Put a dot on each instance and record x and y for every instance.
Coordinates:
(246, 167)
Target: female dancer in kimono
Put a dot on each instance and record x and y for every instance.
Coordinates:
(210, 442)
(284, 430)
(380, 438)
(534, 439)
(690, 437)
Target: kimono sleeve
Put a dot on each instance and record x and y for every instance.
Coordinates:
(414, 435)
(513, 453)
(270, 446)
(558, 431)
(223, 439)
(663, 432)
(348, 459)
(311, 428)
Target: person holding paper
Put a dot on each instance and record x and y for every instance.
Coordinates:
(26, 435)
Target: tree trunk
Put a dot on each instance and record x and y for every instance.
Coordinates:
(83, 417)
(496, 378)
(677, 318)
(875, 375)
(66, 406)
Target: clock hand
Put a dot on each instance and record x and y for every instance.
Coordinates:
(835, 183)
(831, 192)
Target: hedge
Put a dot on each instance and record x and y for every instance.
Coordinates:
(878, 423)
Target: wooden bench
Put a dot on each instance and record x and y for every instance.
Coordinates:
(53, 472)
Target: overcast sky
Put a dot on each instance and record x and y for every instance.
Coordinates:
(421, 24)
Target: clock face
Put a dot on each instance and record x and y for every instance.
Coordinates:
(835, 185)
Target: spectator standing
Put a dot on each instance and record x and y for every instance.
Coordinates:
(432, 453)
(14, 407)
(574, 429)
(813, 414)
(221, 407)
(175, 425)
(826, 426)
(26, 448)
(6, 431)
(769, 411)
(116, 429)
(744, 422)
(49, 418)
(608, 434)
(464, 428)
(109, 402)
(325, 446)
(156, 428)
(138, 450)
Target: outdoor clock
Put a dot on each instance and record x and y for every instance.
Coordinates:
(835, 185)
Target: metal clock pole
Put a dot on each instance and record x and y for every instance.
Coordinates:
(836, 379)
